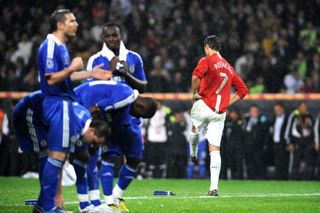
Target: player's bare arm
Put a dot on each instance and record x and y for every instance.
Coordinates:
(56, 77)
(234, 99)
(195, 84)
(97, 72)
(134, 82)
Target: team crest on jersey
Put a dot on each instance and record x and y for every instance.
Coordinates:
(73, 139)
(79, 143)
(131, 69)
(66, 60)
(50, 63)
(43, 143)
(104, 148)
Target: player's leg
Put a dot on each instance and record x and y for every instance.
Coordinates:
(199, 112)
(132, 146)
(79, 163)
(110, 152)
(59, 115)
(213, 135)
(93, 178)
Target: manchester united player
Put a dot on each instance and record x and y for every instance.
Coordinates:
(211, 87)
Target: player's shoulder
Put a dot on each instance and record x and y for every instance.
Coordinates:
(95, 56)
(134, 55)
(204, 60)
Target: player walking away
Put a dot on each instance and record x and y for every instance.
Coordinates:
(56, 73)
(211, 87)
(127, 68)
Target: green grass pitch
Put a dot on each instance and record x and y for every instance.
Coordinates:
(234, 196)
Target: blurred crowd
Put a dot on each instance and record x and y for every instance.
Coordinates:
(273, 45)
(282, 144)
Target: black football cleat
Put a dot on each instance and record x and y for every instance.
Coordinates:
(213, 193)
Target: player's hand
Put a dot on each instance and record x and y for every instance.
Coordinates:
(195, 97)
(76, 64)
(113, 63)
(124, 68)
(101, 74)
(58, 201)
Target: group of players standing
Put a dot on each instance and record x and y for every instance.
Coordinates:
(62, 123)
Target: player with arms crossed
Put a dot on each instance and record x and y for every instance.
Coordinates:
(211, 87)
(55, 74)
(127, 68)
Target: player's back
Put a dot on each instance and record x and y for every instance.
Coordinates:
(109, 95)
(215, 85)
(32, 102)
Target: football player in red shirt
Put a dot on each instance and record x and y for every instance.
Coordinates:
(212, 80)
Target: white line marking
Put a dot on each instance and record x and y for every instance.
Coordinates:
(272, 195)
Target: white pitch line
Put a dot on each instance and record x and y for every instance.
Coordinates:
(272, 195)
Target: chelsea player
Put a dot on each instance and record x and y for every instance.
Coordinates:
(117, 103)
(127, 68)
(32, 134)
(56, 73)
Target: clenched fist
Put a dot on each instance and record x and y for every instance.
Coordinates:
(76, 64)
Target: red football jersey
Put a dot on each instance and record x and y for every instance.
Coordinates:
(216, 78)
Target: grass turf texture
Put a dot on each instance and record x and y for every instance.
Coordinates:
(234, 196)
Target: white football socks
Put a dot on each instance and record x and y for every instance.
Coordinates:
(215, 165)
(194, 140)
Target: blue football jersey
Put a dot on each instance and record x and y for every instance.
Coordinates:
(31, 128)
(110, 96)
(34, 102)
(53, 56)
(135, 68)
(133, 60)
(83, 117)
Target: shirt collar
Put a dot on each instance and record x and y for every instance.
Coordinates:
(55, 39)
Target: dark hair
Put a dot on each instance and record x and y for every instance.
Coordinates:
(101, 128)
(58, 16)
(279, 104)
(213, 42)
(150, 109)
(111, 24)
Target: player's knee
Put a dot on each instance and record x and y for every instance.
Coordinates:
(213, 148)
(108, 159)
(61, 156)
(133, 162)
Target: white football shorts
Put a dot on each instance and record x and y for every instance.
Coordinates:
(208, 122)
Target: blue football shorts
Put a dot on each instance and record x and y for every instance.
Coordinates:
(125, 140)
(61, 119)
